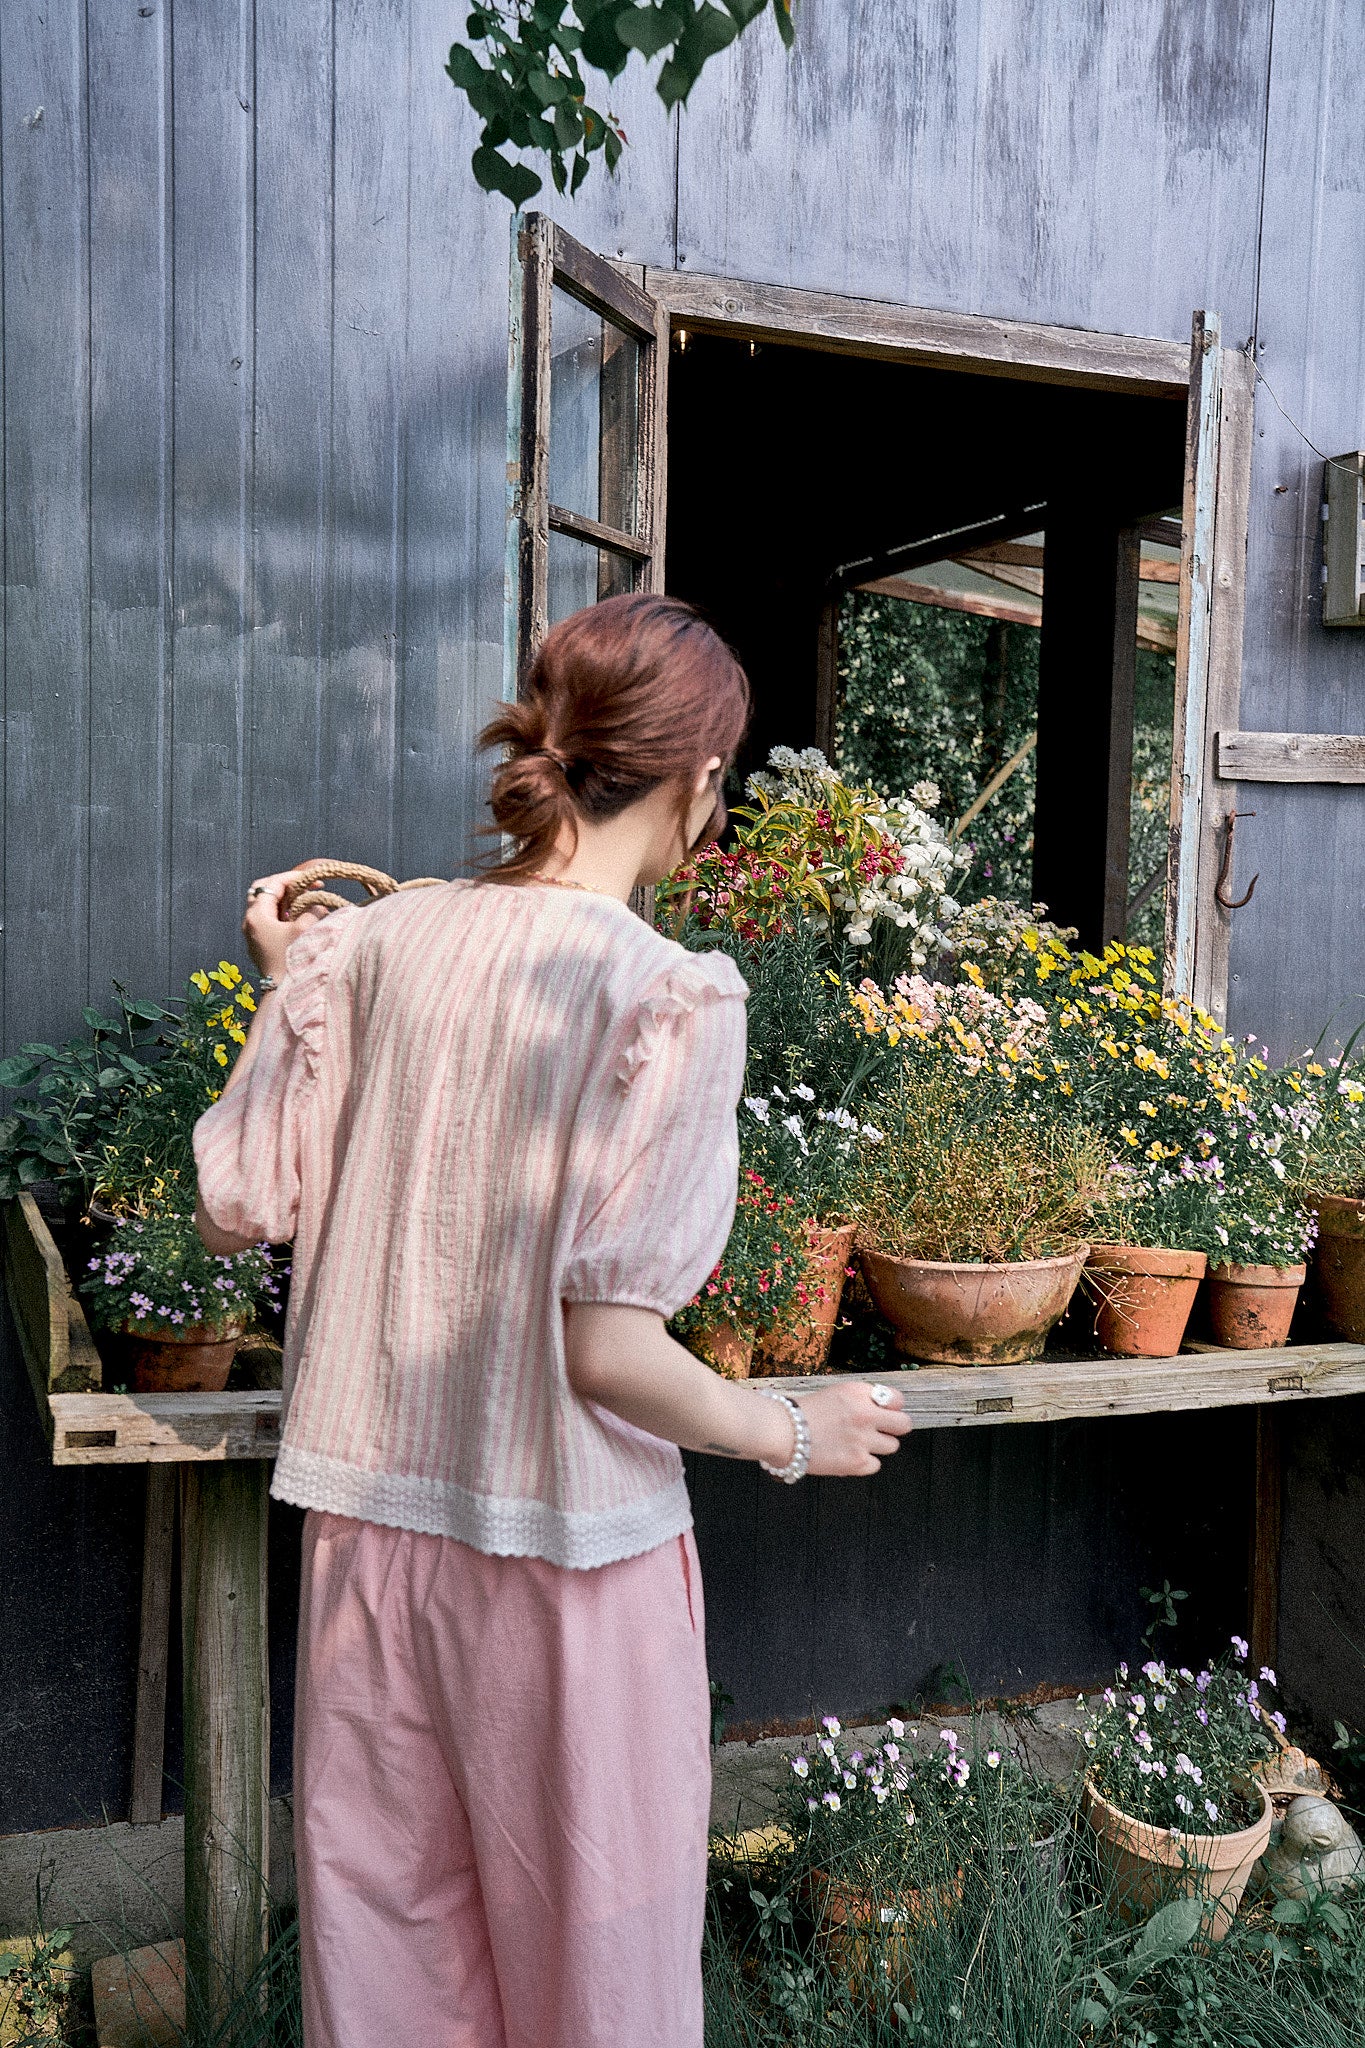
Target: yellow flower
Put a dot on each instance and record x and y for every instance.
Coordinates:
(1067, 1088)
(973, 972)
(1156, 1150)
(200, 980)
(1318, 1073)
(1029, 940)
(237, 1035)
(1108, 1045)
(1147, 1108)
(228, 974)
(220, 1054)
(1129, 1136)
(245, 998)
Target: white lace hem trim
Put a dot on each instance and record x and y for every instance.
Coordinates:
(573, 1538)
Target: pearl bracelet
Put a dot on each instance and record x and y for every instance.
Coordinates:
(800, 1458)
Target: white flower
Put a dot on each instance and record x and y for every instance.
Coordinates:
(851, 1780)
(830, 1724)
(1210, 1809)
(873, 1135)
(1267, 1676)
(891, 1752)
(897, 1727)
(833, 1801)
(993, 1759)
(806, 1094)
(801, 1767)
(926, 793)
(757, 1106)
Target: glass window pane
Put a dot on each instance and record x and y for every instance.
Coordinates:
(594, 414)
(580, 574)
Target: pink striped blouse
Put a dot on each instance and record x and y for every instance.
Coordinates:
(470, 1105)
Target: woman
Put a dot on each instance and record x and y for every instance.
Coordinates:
(497, 1120)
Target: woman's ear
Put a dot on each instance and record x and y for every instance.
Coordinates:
(704, 774)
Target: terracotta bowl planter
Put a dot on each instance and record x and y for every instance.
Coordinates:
(194, 1360)
(1144, 1297)
(725, 1348)
(870, 1941)
(1339, 1263)
(800, 1342)
(952, 1314)
(1251, 1307)
(1146, 1862)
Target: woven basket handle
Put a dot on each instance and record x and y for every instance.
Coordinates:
(304, 892)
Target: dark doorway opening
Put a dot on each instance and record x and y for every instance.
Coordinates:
(796, 475)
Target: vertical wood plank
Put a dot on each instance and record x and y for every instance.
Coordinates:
(1122, 692)
(1192, 651)
(213, 177)
(290, 454)
(223, 1510)
(130, 681)
(367, 565)
(1263, 1624)
(1227, 613)
(149, 1717)
(43, 185)
(827, 674)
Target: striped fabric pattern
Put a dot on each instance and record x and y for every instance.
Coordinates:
(470, 1105)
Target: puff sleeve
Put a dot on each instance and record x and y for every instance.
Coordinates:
(659, 1185)
(247, 1147)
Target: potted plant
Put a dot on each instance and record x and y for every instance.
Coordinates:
(761, 1274)
(808, 1154)
(1333, 1186)
(1254, 1287)
(878, 1847)
(974, 1217)
(182, 1309)
(1170, 1793)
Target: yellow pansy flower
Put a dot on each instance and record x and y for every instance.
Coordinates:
(1129, 1136)
(220, 1054)
(200, 980)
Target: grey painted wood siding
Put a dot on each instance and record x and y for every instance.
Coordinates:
(253, 355)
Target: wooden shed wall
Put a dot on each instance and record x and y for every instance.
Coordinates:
(253, 317)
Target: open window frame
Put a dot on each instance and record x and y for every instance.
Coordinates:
(1216, 383)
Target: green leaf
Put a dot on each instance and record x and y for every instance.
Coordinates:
(602, 47)
(112, 1077)
(1290, 1913)
(10, 1128)
(17, 1071)
(1171, 1928)
(1091, 2014)
(674, 83)
(1330, 1912)
(745, 11)
(495, 174)
(709, 31)
(96, 1022)
(650, 29)
(149, 1012)
(786, 27)
(549, 87)
(568, 125)
(580, 172)
(29, 1171)
(1109, 1990)
(8, 1965)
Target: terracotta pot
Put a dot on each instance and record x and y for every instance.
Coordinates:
(726, 1349)
(1339, 1263)
(869, 1940)
(1251, 1307)
(1144, 1297)
(194, 1360)
(800, 1342)
(1147, 1863)
(953, 1314)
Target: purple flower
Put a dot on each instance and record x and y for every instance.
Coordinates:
(1241, 1648)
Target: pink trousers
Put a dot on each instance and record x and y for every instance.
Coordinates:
(502, 1783)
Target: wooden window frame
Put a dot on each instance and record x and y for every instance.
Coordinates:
(543, 257)
(1218, 385)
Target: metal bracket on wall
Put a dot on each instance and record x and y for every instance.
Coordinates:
(1225, 871)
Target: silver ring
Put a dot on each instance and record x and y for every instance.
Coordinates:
(884, 1397)
(256, 889)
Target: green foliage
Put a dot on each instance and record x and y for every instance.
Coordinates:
(964, 1175)
(761, 1273)
(114, 1115)
(38, 1992)
(531, 92)
(929, 693)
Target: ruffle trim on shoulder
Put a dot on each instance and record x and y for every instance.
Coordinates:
(695, 979)
(308, 969)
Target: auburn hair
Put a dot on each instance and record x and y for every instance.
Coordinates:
(623, 696)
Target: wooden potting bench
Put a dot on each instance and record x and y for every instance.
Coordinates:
(222, 1445)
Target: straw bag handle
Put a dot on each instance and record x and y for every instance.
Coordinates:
(304, 893)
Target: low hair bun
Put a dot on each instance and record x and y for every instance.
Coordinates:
(623, 696)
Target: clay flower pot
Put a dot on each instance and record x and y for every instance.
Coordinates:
(1145, 1862)
(1251, 1307)
(725, 1348)
(953, 1314)
(192, 1360)
(1339, 1263)
(1144, 1297)
(870, 1942)
(800, 1342)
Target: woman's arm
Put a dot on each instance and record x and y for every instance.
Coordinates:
(625, 1361)
(268, 937)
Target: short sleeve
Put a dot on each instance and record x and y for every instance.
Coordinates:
(660, 1188)
(246, 1148)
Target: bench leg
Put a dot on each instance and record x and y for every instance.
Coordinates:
(149, 1724)
(227, 1731)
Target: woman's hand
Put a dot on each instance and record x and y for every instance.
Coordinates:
(268, 932)
(624, 1360)
(850, 1431)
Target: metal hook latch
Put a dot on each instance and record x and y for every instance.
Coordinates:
(1225, 871)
